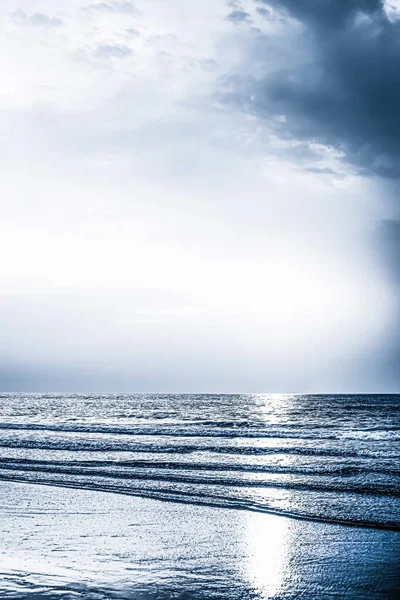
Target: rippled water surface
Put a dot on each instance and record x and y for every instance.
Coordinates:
(325, 458)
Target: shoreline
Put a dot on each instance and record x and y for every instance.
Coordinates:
(207, 503)
(62, 542)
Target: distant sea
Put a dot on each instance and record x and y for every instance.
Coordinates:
(317, 459)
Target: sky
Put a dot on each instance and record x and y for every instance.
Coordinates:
(200, 196)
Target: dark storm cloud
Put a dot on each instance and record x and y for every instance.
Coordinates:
(344, 91)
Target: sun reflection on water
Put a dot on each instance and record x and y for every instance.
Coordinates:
(267, 541)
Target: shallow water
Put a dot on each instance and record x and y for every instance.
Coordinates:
(59, 544)
(327, 458)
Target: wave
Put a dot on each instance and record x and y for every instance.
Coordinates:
(219, 430)
(209, 499)
(327, 485)
(86, 445)
(312, 469)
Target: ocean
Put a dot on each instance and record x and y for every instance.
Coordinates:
(315, 461)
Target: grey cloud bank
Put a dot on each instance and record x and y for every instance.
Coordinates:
(341, 86)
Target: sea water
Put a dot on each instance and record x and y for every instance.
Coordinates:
(328, 458)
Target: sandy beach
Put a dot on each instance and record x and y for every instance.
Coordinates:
(66, 543)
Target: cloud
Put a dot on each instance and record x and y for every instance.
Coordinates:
(112, 7)
(339, 85)
(238, 16)
(264, 12)
(42, 20)
(322, 171)
(112, 51)
(36, 19)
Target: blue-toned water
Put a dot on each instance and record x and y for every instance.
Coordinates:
(317, 457)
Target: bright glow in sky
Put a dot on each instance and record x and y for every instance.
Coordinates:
(157, 234)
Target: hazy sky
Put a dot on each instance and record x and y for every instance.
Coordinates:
(200, 195)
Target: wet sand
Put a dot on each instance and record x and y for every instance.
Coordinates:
(67, 544)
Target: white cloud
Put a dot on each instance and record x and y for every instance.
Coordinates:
(392, 9)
